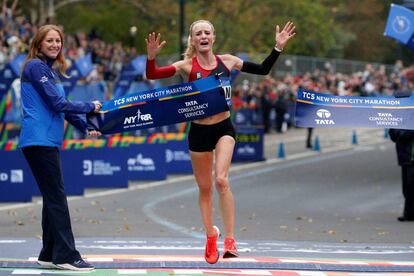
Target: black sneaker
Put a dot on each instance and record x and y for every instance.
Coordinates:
(79, 265)
(406, 218)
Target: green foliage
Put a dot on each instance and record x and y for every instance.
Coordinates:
(325, 28)
(113, 19)
(249, 25)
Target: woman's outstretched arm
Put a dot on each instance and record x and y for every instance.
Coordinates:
(153, 48)
(281, 39)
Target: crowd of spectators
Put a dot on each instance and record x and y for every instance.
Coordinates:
(108, 58)
(272, 99)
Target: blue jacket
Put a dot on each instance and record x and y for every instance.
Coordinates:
(45, 106)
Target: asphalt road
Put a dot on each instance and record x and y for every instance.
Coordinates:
(344, 194)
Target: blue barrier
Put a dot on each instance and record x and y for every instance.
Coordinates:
(16, 179)
(95, 168)
(145, 161)
(243, 117)
(110, 167)
(177, 157)
(73, 169)
(249, 144)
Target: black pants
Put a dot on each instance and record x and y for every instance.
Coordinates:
(266, 120)
(58, 241)
(280, 118)
(408, 189)
(309, 137)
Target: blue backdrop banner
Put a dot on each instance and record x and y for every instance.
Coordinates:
(177, 157)
(249, 144)
(164, 106)
(95, 168)
(325, 110)
(144, 162)
(16, 179)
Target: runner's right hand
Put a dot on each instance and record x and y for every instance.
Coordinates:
(153, 45)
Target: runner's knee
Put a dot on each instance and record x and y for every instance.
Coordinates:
(222, 184)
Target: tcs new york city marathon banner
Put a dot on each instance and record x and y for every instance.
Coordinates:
(324, 110)
(164, 106)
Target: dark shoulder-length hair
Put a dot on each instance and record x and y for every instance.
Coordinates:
(34, 51)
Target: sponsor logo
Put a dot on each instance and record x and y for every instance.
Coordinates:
(386, 119)
(138, 119)
(193, 109)
(4, 176)
(140, 163)
(246, 150)
(43, 79)
(240, 118)
(99, 167)
(16, 176)
(323, 113)
(401, 24)
(324, 116)
(176, 155)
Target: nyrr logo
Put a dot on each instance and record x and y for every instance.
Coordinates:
(324, 116)
(401, 24)
(138, 118)
(141, 163)
(246, 150)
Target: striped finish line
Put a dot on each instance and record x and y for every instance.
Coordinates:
(145, 262)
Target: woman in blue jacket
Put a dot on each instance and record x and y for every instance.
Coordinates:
(45, 108)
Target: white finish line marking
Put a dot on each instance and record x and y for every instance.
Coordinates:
(132, 271)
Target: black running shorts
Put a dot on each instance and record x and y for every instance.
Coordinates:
(203, 138)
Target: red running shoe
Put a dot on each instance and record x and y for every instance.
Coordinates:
(211, 253)
(230, 249)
